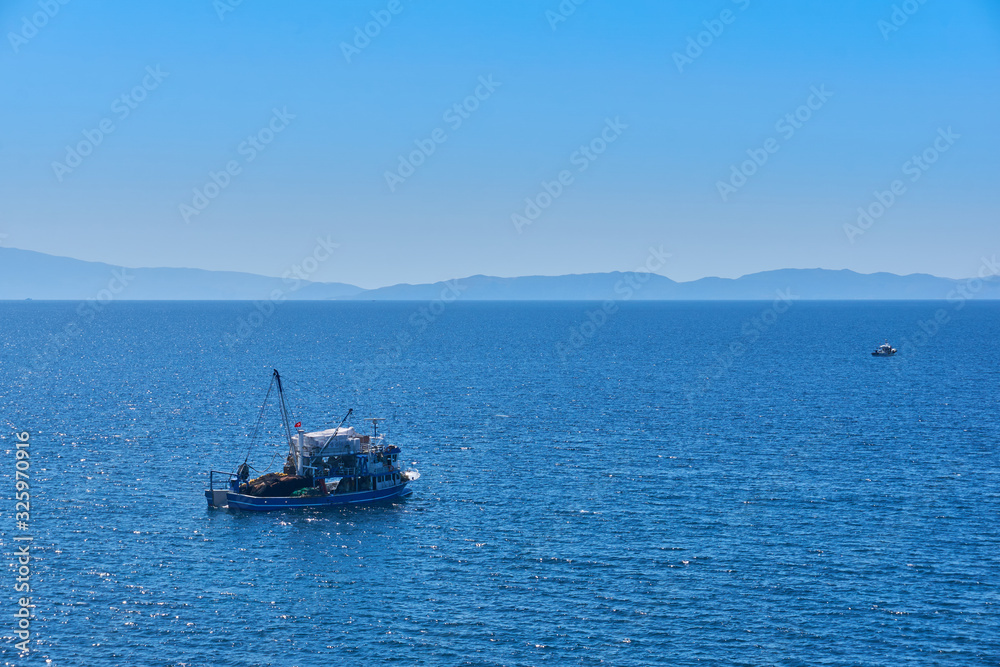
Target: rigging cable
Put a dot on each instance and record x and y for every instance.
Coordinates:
(266, 468)
(260, 418)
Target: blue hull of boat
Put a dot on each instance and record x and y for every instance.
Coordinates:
(256, 504)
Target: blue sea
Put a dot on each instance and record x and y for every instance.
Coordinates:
(643, 484)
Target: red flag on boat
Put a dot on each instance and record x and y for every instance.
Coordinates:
(298, 424)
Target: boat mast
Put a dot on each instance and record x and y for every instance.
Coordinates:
(349, 412)
(284, 409)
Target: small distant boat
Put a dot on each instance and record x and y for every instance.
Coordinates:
(884, 350)
(336, 466)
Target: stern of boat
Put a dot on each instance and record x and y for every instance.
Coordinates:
(219, 485)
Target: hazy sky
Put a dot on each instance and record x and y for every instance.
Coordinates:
(311, 116)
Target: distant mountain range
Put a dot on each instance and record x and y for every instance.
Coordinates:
(25, 274)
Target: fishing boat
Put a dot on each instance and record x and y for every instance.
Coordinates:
(334, 466)
(884, 350)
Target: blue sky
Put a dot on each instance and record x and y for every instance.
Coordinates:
(553, 87)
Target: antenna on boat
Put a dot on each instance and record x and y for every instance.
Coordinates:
(284, 410)
(375, 421)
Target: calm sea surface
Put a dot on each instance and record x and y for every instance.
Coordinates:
(667, 484)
